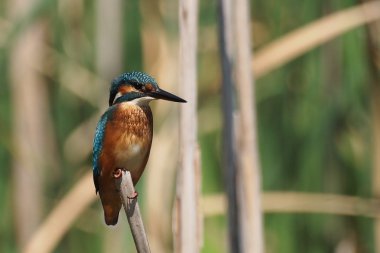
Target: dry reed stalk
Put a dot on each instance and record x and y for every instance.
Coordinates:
(228, 94)
(248, 172)
(308, 37)
(186, 218)
(31, 122)
(132, 211)
(295, 202)
(61, 218)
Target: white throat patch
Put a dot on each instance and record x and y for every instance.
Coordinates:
(136, 101)
(141, 101)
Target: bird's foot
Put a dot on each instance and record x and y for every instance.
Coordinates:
(134, 195)
(117, 173)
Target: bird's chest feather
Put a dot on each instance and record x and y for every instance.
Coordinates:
(129, 136)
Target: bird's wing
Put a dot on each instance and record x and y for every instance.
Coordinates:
(97, 148)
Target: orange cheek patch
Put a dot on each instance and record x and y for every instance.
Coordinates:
(126, 89)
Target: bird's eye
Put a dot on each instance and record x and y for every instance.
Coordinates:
(136, 85)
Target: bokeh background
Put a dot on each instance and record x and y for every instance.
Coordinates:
(317, 121)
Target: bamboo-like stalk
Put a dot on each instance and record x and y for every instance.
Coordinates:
(186, 231)
(131, 207)
(248, 173)
(228, 93)
(300, 202)
(31, 122)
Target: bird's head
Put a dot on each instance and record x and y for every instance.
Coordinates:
(138, 86)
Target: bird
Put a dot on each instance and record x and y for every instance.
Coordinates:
(123, 136)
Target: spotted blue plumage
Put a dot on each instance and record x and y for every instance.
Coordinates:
(132, 77)
(98, 144)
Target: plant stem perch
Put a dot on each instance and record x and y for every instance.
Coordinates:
(132, 210)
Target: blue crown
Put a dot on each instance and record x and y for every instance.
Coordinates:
(131, 78)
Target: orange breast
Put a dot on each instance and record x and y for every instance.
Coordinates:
(127, 140)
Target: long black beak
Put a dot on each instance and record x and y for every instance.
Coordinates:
(162, 94)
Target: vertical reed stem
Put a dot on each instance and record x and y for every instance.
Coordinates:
(228, 93)
(31, 121)
(186, 204)
(248, 176)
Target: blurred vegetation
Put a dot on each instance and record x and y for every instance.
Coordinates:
(313, 118)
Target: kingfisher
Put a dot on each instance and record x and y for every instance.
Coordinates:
(123, 136)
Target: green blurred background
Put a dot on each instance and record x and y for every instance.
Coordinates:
(57, 59)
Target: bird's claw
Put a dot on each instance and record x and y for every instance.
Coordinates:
(117, 173)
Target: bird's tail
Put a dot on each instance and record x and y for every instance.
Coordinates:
(111, 205)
